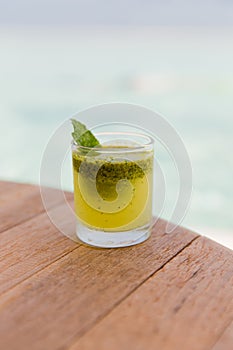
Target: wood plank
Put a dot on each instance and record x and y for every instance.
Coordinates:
(66, 298)
(9, 190)
(225, 342)
(7, 185)
(22, 202)
(185, 305)
(29, 247)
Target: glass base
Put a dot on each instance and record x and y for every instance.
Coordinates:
(105, 239)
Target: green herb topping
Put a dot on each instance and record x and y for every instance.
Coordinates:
(111, 172)
(82, 136)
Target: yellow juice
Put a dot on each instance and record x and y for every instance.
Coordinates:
(113, 194)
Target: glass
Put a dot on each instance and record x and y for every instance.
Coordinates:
(113, 189)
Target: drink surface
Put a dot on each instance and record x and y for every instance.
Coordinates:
(113, 192)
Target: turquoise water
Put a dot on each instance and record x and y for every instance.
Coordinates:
(185, 74)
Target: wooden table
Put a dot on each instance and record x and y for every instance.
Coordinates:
(174, 291)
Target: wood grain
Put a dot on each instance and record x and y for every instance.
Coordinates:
(7, 185)
(225, 342)
(29, 247)
(171, 292)
(22, 202)
(65, 299)
(185, 305)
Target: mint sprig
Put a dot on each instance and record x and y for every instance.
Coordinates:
(82, 136)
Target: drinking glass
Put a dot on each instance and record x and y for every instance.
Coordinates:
(113, 186)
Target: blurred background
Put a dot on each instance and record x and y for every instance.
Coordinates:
(175, 57)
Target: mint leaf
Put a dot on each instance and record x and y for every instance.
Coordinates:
(82, 136)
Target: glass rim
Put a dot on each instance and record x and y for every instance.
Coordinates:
(106, 149)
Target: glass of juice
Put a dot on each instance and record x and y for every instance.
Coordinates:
(113, 187)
